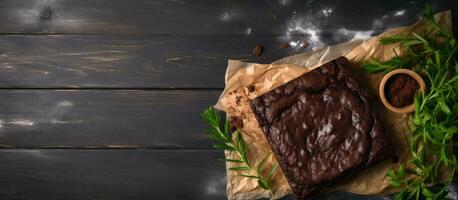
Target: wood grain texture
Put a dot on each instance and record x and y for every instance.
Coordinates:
(104, 118)
(127, 61)
(119, 174)
(111, 174)
(116, 140)
(195, 16)
(182, 60)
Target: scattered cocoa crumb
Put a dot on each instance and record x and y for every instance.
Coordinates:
(395, 159)
(237, 100)
(284, 45)
(235, 123)
(232, 128)
(251, 88)
(305, 44)
(257, 51)
(400, 90)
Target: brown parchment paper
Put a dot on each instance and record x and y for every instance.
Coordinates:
(245, 81)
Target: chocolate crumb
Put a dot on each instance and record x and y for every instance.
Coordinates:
(257, 51)
(251, 88)
(237, 100)
(284, 45)
(395, 159)
(235, 123)
(305, 44)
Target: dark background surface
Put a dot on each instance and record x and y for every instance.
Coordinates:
(100, 99)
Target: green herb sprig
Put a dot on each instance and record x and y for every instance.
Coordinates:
(220, 133)
(434, 55)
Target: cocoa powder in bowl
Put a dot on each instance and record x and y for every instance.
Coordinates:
(400, 90)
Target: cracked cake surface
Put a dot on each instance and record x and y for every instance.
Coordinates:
(321, 127)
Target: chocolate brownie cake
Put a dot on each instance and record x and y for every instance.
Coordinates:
(321, 127)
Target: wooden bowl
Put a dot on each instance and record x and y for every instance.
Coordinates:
(406, 109)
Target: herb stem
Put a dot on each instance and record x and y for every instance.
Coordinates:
(434, 54)
(235, 143)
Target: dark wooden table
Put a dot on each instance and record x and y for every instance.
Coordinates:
(100, 99)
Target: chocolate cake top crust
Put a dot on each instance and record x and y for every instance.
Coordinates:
(321, 127)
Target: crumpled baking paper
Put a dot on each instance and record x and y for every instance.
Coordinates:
(245, 81)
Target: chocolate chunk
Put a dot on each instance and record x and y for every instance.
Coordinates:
(284, 45)
(257, 51)
(238, 99)
(305, 44)
(235, 123)
(321, 127)
(251, 88)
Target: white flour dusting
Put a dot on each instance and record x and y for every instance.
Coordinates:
(400, 13)
(296, 44)
(302, 32)
(225, 17)
(65, 103)
(377, 24)
(54, 115)
(284, 2)
(18, 122)
(326, 12)
(215, 185)
(248, 31)
(305, 30)
(452, 194)
(356, 35)
(229, 15)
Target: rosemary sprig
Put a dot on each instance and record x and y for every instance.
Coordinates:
(219, 132)
(434, 55)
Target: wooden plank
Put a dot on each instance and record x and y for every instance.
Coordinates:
(127, 61)
(201, 16)
(111, 174)
(104, 118)
(120, 174)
